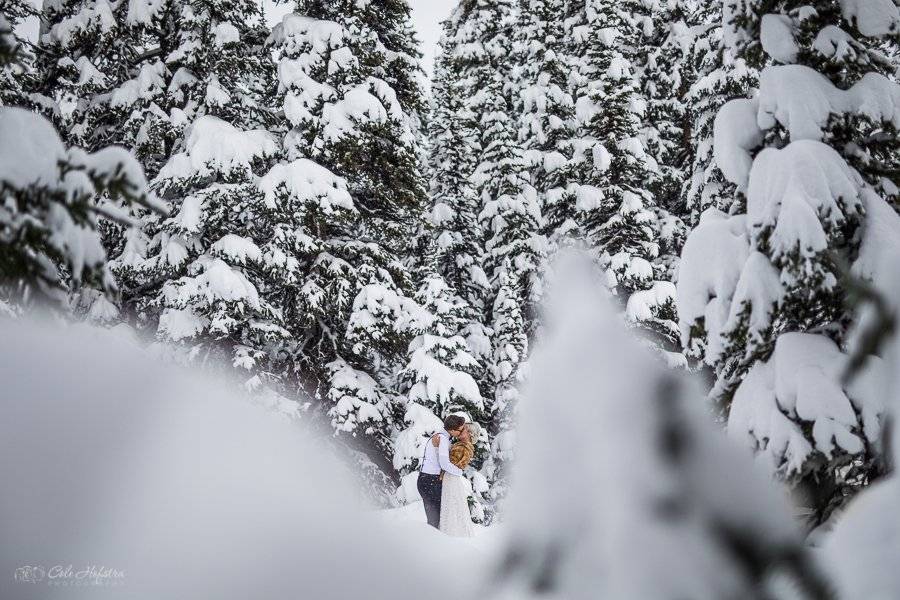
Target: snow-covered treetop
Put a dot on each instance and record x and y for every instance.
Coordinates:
(330, 87)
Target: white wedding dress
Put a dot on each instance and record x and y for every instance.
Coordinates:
(455, 518)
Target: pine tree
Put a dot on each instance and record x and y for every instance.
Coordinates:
(510, 214)
(52, 198)
(721, 76)
(485, 48)
(482, 47)
(666, 74)
(654, 37)
(16, 57)
(776, 325)
(56, 198)
(353, 107)
(384, 148)
(100, 75)
(667, 125)
(200, 277)
(548, 117)
(574, 16)
(454, 214)
(516, 253)
(617, 211)
(509, 356)
(474, 88)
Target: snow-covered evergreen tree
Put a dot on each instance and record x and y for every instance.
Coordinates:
(16, 57)
(100, 74)
(721, 76)
(510, 353)
(100, 77)
(200, 276)
(205, 263)
(516, 255)
(54, 197)
(455, 147)
(548, 118)
(666, 74)
(809, 152)
(511, 213)
(51, 198)
(616, 209)
(510, 210)
(661, 55)
(477, 52)
(485, 44)
(349, 85)
(481, 50)
(363, 120)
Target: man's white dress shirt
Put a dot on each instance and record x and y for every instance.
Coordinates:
(437, 459)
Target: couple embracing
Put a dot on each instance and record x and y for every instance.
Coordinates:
(441, 483)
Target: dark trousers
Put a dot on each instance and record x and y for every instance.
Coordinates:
(430, 489)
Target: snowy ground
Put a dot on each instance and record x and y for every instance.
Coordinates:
(410, 520)
(461, 566)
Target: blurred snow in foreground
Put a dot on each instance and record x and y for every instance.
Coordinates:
(110, 460)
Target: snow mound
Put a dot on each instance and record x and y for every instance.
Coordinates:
(216, 146)
(777, 38)
(802, 100)
(735, 134)
(306, 180)
(863, 549)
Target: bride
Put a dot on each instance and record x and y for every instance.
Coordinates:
(455, 519)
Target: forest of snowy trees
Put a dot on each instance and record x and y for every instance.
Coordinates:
(369, 251)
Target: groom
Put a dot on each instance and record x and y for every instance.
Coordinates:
(435, 460)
